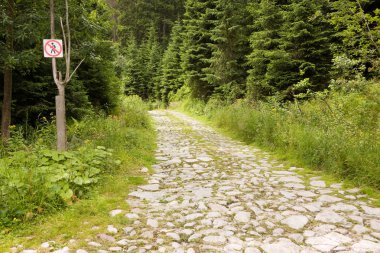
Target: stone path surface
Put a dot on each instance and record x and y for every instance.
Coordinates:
(212, 194)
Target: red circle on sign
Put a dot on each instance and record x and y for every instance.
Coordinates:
(58, 52)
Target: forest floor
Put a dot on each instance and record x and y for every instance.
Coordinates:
(209, 193)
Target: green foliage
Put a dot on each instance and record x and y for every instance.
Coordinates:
(196, 49)
(170, 79)
(357, 24)
(286, 52)
(338, 133)
(35, 179)
(227, 71)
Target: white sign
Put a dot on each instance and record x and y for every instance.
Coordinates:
(53, 48)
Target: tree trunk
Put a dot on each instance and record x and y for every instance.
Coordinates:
(7, 97)
(60, 109)
(7, 101)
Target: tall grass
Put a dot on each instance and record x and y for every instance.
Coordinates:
(339, 133)
(35, 179)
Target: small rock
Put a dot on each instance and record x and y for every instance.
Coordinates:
(243, 217)
(193, 216)
(147, 234)
(215, 240)
(329, 217)
(318, 183)
(46, 245)
(81, 251)
(63, 250)
(375, 224)
(122, 242)
(329, 199)
(296, 221)
(115, 249)
(191, 250)
(113, 213)
(105, 237)
(112, 229)
(251, 250)
(371, 211)
(283, 245)
(152, 223)
(132, 216)
(150, 187)
(94, 244)
(174, 236)
(328, 242)
(144, 170)
(366, 246)
(29, 251)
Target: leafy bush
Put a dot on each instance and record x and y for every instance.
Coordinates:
(35, 179)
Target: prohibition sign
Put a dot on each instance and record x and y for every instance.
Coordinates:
(53, 48)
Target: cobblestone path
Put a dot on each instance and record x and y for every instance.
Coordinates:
(212, 194)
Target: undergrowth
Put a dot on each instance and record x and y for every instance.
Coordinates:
(35, 179)
(338, 132)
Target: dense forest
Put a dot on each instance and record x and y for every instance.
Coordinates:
(259, 50)
(296, 75)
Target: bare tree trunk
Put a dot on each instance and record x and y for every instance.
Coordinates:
(61, 83)
(60, 109)
(60, 106)
(7, 97)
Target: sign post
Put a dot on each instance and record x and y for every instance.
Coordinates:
(53, 48)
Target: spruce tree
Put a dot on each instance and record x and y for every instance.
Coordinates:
(227, 71)
(196, 50)
(170, 80)
(264, 41)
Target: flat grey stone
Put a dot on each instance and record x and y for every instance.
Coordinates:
(242, 217)
(112, 229)
(150, 187)
(371, 211)
(147, 195)
(251, 250)
(174, 236)
(147, 235)
(115, 249)
(95, 244)
(63, 250)
(215, 240)
(344, 207)
(113, 213)
(294, 186)
(152, 223)
(193, 216)
(375, 224)
(283, 245)
(330, 217)
(295, 221)
(328, 242)
(290, 179)
(329, 199)
(318, 183)
(105, 237)
(366, 246)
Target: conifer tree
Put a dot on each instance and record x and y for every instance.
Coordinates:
(227, 71)
(170, 80)
(196, 50)
(267, 24)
